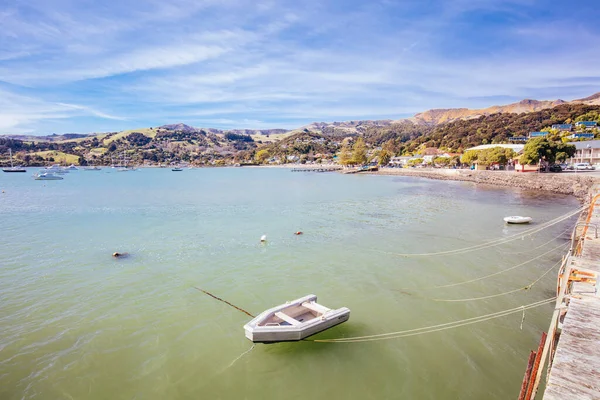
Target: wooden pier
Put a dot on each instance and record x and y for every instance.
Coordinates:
(573, 347)
(317, 169)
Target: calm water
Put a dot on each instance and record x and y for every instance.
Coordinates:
(77, 324)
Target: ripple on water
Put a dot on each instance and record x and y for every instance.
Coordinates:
(77, 323)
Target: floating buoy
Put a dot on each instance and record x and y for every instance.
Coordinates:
(120, 255)
(298, 233)
(263, 238)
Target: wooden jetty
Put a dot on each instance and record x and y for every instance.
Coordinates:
(575, 367)
(572, 346)
(317, 169)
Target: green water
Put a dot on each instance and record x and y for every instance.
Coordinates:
(76, 323)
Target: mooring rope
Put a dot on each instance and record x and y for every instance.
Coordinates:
(434, 328)
(501, 294)
(562, 246)
(410, 290)
(560, 235)
(224, 301)
(240, 356)
(495, 242)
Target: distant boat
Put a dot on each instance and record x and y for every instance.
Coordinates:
(72, 167)
(294, 320)
(47, 176)
(56, 169)
(12, 167)
(177, 169)
(94, 168)
(517, 219)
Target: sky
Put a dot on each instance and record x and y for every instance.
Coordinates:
(81, 66)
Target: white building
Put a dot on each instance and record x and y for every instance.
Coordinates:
(587, 151)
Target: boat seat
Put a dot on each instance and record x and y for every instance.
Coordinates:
(315, 307)
(287, 318)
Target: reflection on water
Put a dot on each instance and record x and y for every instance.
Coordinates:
(78, 323)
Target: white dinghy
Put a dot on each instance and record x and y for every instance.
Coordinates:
(294, 320)
(516, 219)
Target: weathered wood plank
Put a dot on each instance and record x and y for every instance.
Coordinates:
(575, 371)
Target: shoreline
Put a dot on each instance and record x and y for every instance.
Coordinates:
(578, 185)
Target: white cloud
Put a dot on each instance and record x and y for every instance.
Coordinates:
(232, 61)
(21, 114)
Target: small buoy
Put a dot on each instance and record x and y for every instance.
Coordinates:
(263, 238)
(120, 255)
(298, 233)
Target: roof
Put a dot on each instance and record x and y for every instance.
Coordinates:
(587, 123)
(538, 133)
(580, 134)
(517, 148)
(562, 125)
(593, 144)
(430, 151)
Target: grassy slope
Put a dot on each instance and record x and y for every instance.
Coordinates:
(145, 131)
(59, 156)
(271, 138)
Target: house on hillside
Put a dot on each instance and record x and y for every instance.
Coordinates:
(518, 139)
(581, 135)
(430, 153)
(586, 124)
(537, 134)
(399, 161)
(563, 127)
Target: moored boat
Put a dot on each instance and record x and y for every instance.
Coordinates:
(47, 176)
(12, 167)
(294, 320)
(517, 219)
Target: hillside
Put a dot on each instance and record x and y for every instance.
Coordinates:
(441, 116)
(179, 142)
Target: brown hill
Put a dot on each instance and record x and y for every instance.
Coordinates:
(593, 100)
(440, 116)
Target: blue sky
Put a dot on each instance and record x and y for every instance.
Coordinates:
(94, 66)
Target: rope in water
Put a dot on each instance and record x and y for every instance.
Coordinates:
(562, 246)
(492, 243)
(560, 235)
(434, 328)
(504, 293)
(407, 290)
(224, 301)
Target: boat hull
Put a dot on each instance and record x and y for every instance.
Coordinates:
(517, 220)
(258, 333)
(14, 170)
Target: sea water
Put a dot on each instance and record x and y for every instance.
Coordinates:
(76, 323)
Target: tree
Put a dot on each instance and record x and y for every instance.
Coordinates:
(415, 161)
(359, 152)
(261, 156)
(542, 149)
(469, 157)
(495, 155)
(384, 157)
(443, 161)
(345, 157)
